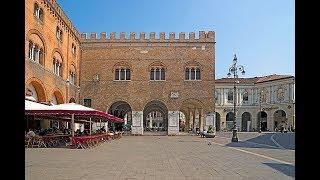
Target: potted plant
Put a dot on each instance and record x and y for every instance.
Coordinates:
(210, 133)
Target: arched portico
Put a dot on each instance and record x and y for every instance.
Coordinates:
(123, 110)
(280, 119)
(246, 121)
(155, 116)
(263, 119)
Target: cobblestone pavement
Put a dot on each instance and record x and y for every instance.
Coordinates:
(159, 157)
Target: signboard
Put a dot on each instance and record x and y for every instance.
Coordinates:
(173, 118)
(136, 119)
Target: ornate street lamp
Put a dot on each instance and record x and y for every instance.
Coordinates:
(234, 70)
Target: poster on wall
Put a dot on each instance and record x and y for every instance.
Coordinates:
(136, 120)
(173, 118)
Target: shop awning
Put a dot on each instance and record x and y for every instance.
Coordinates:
(64, 110)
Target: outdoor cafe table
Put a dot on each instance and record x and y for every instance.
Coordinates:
(89, 141)
(55, 138)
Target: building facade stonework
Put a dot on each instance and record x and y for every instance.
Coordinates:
(269, 100)
(52, 54)
(137, 76)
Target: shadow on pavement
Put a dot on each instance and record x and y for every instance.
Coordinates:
(263, 141)
(286, 169)
(248, 144)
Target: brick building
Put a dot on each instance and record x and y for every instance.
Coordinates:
(52, 54)
(150, 82)
(137, 78)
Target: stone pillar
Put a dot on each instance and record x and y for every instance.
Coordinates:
(239, 122)
(190, 120)
(201, 119)
(137, 122)
(270, 123)
(194, 120)
(173, 122)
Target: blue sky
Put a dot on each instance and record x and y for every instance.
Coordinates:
(260, 32)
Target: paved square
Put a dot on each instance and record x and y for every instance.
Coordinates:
(161, 157)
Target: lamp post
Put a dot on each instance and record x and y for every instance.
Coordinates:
(233, 70)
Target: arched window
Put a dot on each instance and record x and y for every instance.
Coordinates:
(230, 96)
(122, 74)
(157, 73)
(72, 77)
(197, 73)
(57, 67)
(36, 53)
(38, 12)
(163, 74)
(59, 34)
(30, 50)
(187, 74)
(192, 73)
(152, 74)
(117, 74)
(41, 56)
(41, 14)
(73, 49)
(36, 9)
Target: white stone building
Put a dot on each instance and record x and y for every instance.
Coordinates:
(269, 98)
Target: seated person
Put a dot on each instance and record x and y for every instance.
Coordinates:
(203, 133)
(103, 129)
(30, 133)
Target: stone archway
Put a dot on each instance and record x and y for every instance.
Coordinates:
(182, 122)
(194, 114)
(280, 119)
(229, 121)
(262, 118)
(36, 90)
(218, 121)
(123, 110)
(246, 121)
(155, 117)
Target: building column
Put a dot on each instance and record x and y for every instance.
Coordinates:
(137, 122)
(194, 120)
(173, 122)
(201, 117)
(190, 120)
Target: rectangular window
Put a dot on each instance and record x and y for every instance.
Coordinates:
(87, 102)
